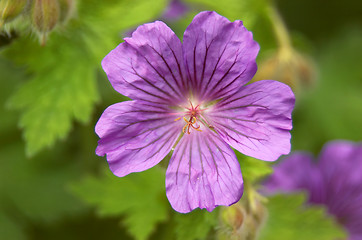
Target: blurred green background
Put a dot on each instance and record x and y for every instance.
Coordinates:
(53, 90)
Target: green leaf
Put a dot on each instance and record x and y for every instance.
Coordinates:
(139, 197)
(195, 225)
(106, 22)
(62, 88)
(62, 84)
(29, 191)
(333, 109)
(247, 10)
(10, 229)
(36, 190)
(253, 169)
(289, 219)
(9, 75)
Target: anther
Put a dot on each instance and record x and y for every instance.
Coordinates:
(191, 118)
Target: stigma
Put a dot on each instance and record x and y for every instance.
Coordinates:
(193, 118)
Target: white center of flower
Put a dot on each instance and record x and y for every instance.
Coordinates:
(193, 117)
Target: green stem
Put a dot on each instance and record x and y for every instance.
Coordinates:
(280, 30)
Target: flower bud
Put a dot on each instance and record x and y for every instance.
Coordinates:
(67, 9)
(233, 216)
(241, 220)
(45, 15)
(10, 9)
(290, 67)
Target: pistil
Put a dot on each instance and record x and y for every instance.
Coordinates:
(191, 117)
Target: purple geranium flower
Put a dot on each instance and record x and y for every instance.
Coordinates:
(190, 98)
(335, 180)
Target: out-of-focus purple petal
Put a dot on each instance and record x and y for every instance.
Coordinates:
(219, 55)
(203, 173)
(287, 177)
(335, 181)
(175, 10)
(135, 135)
(355, 236)
(343, 156)
(257, 119)
(297, 172)
(341, 165)
(149, 65)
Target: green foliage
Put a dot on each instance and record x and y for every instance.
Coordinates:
(195, 225)
(29, 191)
(139, 197)
(247, 10)
(9, 75)
(333, 109)
(36, 190)
(253, 169)
(9, 229)
(289, 219)
(106, 22)
(62, 88)
(62, 74)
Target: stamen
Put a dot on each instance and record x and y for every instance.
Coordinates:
(197, 129)
(190, 123)
(184, 129)
(192, 119)
(191, 104)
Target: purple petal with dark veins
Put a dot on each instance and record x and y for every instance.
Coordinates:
(203, 173)
(219, 55)
(256, 120)
(136, 135)
(149, 65)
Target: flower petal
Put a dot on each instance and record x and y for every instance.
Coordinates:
(149, 65)
(341, 165)
(135, 136)
(338, 156)
(219, 55)
(297, 172)
(203, 172)
(175, 10)
(256, 121)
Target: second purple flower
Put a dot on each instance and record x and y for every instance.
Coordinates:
(191, 98)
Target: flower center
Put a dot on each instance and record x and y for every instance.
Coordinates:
(193, 117)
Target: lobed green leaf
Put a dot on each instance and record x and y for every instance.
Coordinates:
(289, 218)
(140, 198)
(195, 225)
(62, 83)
